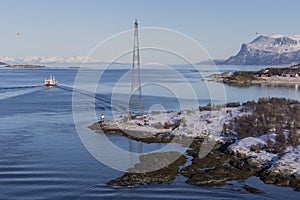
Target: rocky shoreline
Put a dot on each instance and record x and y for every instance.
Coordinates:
(239, 81)
(279, 76)
(232, 158)
(110, 127)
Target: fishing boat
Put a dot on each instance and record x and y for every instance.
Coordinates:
(51, 81)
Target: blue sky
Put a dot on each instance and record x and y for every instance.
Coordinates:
(73, 27)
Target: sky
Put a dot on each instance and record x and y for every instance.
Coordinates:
(74, 27)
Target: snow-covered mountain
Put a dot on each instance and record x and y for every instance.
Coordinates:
(268, 50)
(45, 60)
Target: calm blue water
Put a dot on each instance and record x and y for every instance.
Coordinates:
(42, 156)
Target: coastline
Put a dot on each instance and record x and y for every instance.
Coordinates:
(267, 80)
(233, 157)
(279, 80)
(277, 76)
(36, 67)
(23, 66)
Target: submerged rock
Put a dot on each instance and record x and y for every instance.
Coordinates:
(253, 190)
(154, 168)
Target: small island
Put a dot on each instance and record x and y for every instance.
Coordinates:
(253, 139)
(287, 75)
(23, 66)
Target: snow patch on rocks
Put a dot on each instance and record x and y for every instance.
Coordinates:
(288, 163)
(190, 123)
(254, 149)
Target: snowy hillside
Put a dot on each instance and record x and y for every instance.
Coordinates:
(268, 50)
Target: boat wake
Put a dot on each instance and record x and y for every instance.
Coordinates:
(102, 101)
(20, 87)
(18, 91)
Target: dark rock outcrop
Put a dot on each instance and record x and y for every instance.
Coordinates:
(214, 169)
(153, 168)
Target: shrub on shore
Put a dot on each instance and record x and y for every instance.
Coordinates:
(268, 116)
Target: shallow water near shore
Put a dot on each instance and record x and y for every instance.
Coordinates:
(42, 156)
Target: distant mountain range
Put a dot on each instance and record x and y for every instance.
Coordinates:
(268, 50)
(41, 60)
(264, 50)
(44, 60)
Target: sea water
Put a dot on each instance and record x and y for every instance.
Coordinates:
(43, 157)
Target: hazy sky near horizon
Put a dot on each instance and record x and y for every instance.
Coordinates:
(74, 27)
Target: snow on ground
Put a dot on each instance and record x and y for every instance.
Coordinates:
(203, 123)
(155, 123)
(280, 79)
(276, 43)
(254, 149)
(192, 123)
(288, 163)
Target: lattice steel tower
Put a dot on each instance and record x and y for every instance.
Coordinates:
(135, 102)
